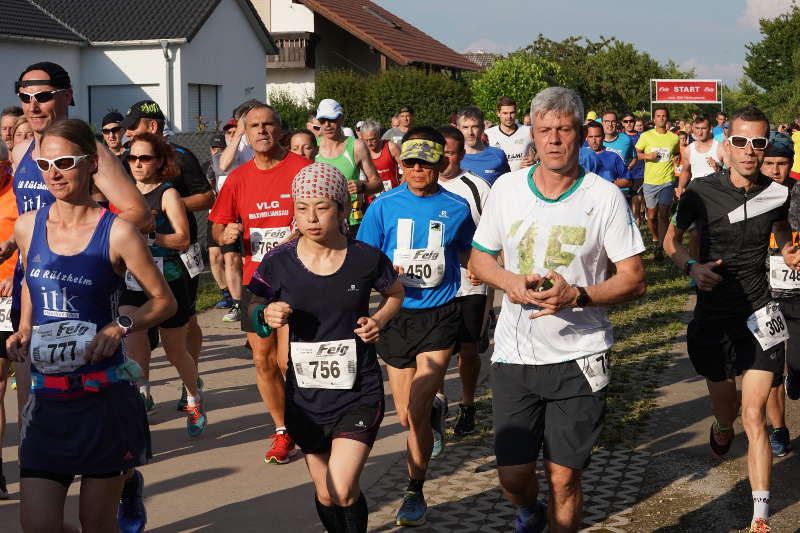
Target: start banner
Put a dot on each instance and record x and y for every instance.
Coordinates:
(686, 91)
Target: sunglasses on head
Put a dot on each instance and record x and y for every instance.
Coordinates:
(67, 162)
(41, 96)
(411, 163)
(107, 131)
(144, 158)
(740, 141)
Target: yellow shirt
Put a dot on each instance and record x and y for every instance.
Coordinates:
(796, 141)
(662, 170)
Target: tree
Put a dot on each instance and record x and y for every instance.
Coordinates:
(519, 77)
(769, 62)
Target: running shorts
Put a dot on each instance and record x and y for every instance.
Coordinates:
(545, 406)
(226, 248)
(658, 194)
(357, 422)
(415, 331)
(180, 290)
(473, 309)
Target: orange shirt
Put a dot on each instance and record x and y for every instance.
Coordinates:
(8, 216)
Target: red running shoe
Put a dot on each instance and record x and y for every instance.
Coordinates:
(282, 449)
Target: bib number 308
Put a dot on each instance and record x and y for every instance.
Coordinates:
(768, 326)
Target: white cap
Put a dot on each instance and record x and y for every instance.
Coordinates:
(359, 124)
(330, 109)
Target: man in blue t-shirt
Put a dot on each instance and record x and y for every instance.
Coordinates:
(427, 232)
(482, 160)
(611, 167)
(615, 141)
(718, 130)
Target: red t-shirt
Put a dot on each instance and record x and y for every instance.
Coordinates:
(262, 201)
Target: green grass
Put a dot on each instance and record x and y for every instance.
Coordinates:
(208, 294)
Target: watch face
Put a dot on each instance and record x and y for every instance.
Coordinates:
(125, 321)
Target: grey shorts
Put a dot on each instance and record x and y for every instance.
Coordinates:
(550, 406)
(658, 194)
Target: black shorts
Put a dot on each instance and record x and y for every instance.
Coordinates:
(64, 479)
(550, 406)
(359, 422)
(180, 290)
(226, 248)
(244, 304)
(721, 349)
(415, 331)
(473, 309)
(4, 335)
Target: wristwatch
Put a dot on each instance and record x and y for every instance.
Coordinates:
(687, 268)
(583, 299)
(126, 323)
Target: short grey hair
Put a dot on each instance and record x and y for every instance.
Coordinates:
(371, 125)
(559, 100)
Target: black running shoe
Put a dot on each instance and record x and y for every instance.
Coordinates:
(465, 424)
(717, 449)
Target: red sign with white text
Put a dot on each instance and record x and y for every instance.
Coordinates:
(686, 91)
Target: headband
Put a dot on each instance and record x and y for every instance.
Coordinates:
(423, 149)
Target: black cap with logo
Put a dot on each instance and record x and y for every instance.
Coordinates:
(139, 110)
(218, 141)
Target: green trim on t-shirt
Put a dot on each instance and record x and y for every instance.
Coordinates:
(564, 195)
(484, 249)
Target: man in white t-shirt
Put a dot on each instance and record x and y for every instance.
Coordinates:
(703, 157)
(558, 228)
(238, 152)
(472, 295)
(510, 136)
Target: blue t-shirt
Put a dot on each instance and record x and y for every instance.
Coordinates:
(611, 166)
(719, 137)
(443, 212)
(622, 147)
(637, 172)
(588, 160)
(489, 164)
(717, 130)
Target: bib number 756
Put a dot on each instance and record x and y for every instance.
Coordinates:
(326, 369)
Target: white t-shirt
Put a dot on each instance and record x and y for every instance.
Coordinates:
(576, 236)
(460, 185)
(699, 161)
(244, 153)
(516, 146)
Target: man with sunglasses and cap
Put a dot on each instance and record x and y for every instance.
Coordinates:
(426, 231)
(112, 132)
(348, 154)
(737, 327)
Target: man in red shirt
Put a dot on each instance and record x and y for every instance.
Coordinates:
(385, 156)
(256, 204)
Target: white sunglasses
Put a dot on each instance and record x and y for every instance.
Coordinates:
(66, 162)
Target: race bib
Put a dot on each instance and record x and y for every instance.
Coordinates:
(130, 281)
(60, 346)
(262, 240)
(325, 365)
(5, 314)
(387, 185)
(768, 326)
(193, 259)
(664, 154)
(423, 268)
(781, 276)
(597, 369)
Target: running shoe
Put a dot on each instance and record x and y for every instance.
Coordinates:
(720, 449)
(183, 401)
(3, 488)
(535, 524)
(760, 525)
(234, 315)
(196, 420)
(225, 302)
(792, 384)
(412, 511)
(779, 440)
(131, 513)
(439, 424)
(149, 403)
(465, 423)
(281, 451)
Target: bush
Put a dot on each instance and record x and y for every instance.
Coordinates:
(517, 77)
(293, 113)
(432, 95)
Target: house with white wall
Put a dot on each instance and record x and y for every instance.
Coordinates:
(198, 59)
(357, 35)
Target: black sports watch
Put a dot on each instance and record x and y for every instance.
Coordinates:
(583, 299)
(126, 323)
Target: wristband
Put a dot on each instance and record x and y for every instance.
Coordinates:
(260, 327)
(688, 266)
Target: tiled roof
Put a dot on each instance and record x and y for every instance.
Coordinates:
(22, 19)
(392, 36)
(483, 59)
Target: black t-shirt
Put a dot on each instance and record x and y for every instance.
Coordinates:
(324, 309)
(734, 225)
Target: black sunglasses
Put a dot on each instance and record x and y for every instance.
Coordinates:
(143, 158)
(316, 128)
(107, 131)
(41, 97)
(411, 163)
(627, 121)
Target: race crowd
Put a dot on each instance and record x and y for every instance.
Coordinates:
(101, 263)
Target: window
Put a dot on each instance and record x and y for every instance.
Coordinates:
(203, 107)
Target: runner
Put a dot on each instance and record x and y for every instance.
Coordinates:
(255, 205)
(785, 289)
(349, 155)
(303, 143)
(71, 425)
(510, 136)
(735, 211)
(471, 295)
(8, 215)
(636, 171)
(423, 228)
(612, 166)
(404, 120)
(616, 142)
(705, 155)
(153, 163)
(550, 362)
(484, 161)
(721, 118)
(658, 148)
(216, 259)
(112, 132)
(320, 286)
(8, 117)
(385, 156)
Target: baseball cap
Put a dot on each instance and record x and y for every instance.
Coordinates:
(422, 149)
(230, 124)
(591, 115)
(330, 109)
(58, 77)
(780, 145)
(218, 141)
(143, 109)
(359, 124)
(111, 118)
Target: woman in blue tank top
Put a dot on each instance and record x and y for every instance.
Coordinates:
(152, 164)
(84, 416)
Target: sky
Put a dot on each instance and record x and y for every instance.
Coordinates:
(707, 35)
